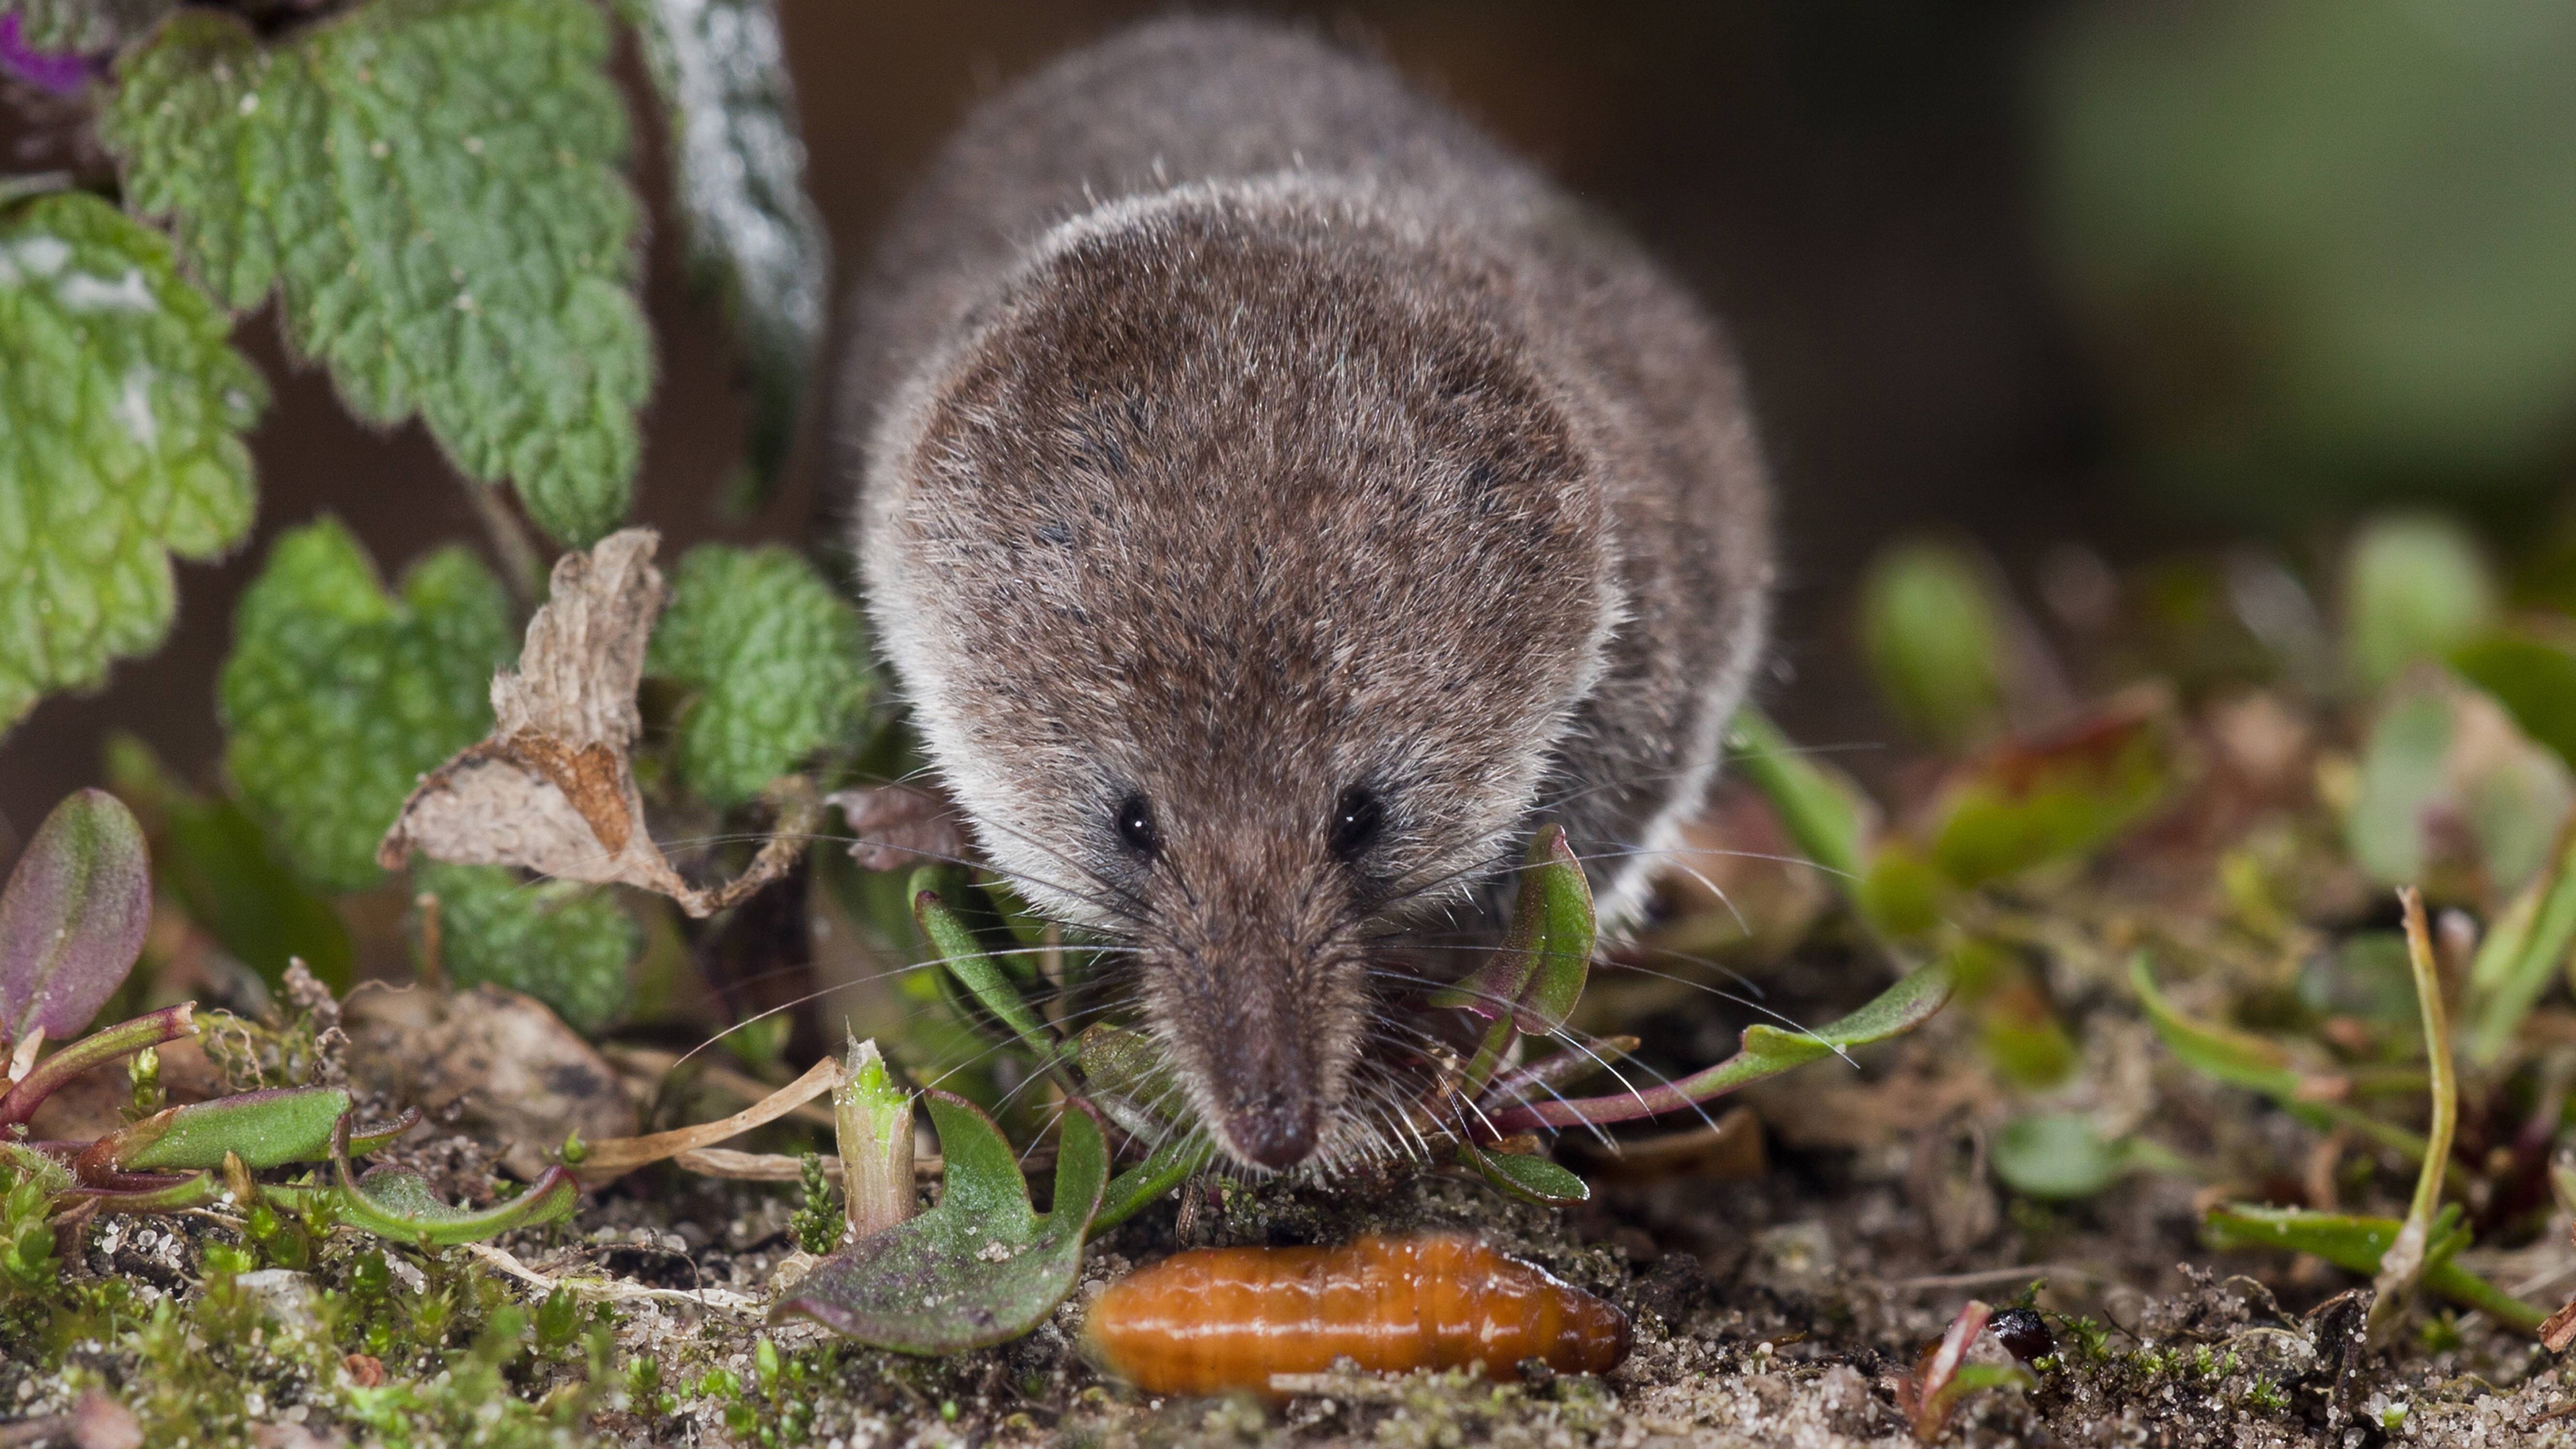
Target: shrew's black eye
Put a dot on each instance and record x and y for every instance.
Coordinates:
(1136, 825)
(1357, 818)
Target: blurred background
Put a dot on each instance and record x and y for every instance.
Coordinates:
(2082, 282)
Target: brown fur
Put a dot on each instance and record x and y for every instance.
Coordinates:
(1240, 428)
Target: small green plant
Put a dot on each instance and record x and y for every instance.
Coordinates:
(72, 919)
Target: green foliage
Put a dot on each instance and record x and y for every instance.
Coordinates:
(1934, 635)
(338, 697)
(2322, 242)
(2534, 680)
(264, 1129)
(568, 945)
(2522, 952)
(121, 414)
(2358, 1244)
(818, 1224)
(214, 859)
(2060, 798)
(1527, 1176)
(982, 1267)
(2055, 1155)
(753, 237)
(773, 656)
(1766, 1051)
(87, 27)
(434, 187)
(1823, 811)
(2415, 587)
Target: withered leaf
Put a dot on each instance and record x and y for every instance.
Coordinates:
(553, 789)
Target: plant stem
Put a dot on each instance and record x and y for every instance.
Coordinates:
(2402, 1267)
(95, 1050)
(522, 567)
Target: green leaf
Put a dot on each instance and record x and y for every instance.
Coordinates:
(1163, 1169)
(85, 27)
(773, 656)
(1823, 811)
(397, 1204)
(2256, 1064)
(121, 415)
(1767, 1051)
(566, 944)
(2415, 587)
(211, 855)
(2056, 1155)
(2521, 954)
(982, 1267)
(2059, 798)
(963, 957)
(739, 179)
(434, 187)
(1933, 632)
(2357, 1244)
(265, 1129)
(73, 916)
(1527, 1176)
(2402, 772)
(337, 697)
(2534, 680)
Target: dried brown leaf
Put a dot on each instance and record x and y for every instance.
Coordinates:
(553, 789)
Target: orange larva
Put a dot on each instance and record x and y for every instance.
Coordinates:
(1215, 1319)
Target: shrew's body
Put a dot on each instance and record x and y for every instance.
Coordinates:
(1275, 502)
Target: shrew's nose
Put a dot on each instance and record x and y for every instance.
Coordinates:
(1276, 1132)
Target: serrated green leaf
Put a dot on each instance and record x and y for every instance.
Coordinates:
(773, 656)
(739, 179)
(121, 414)
(434, 186)
(337, 697)
(86, 27)
(982, 1267)
(568, 945)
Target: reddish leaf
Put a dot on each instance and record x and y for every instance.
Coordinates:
(72, 917)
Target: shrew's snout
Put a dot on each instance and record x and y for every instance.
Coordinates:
(1267, 1099)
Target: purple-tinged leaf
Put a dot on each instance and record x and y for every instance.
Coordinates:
(72, 917)
(982, 1267)
(61, 72)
